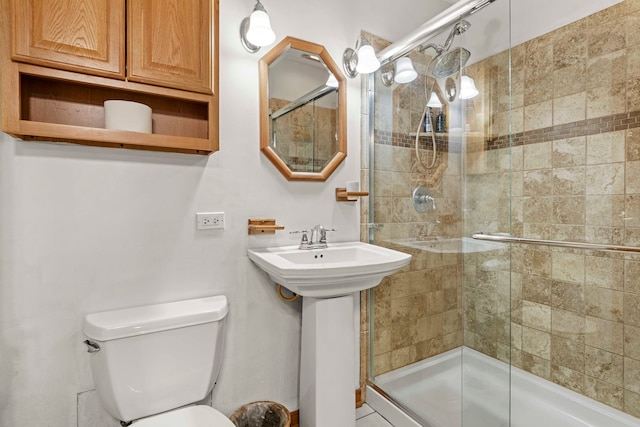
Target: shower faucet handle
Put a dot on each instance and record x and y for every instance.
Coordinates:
(423, 200)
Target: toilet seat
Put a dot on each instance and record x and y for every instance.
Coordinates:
(191, 416)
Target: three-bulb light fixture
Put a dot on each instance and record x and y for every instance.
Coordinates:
(255, 32)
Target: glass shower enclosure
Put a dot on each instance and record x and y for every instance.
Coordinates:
(508, 171)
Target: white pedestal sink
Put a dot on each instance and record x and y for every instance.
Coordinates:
(326, 279)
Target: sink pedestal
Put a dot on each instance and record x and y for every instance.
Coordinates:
(327, 364)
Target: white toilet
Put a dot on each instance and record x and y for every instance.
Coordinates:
(147, 361)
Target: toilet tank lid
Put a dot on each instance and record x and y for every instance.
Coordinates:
(128, 322)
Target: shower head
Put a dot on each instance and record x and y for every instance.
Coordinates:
(446, 63)
(449, 63)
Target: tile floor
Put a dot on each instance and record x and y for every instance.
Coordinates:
(367, 417)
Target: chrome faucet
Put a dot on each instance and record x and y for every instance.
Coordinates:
(318, 239)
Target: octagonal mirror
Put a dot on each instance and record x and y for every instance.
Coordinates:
(302, 110)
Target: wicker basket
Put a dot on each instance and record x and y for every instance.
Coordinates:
(261, 414)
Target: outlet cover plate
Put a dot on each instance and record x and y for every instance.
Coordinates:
(210, 220)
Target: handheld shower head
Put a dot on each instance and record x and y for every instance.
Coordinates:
(459, 28)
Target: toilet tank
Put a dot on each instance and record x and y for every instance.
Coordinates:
(157, 357)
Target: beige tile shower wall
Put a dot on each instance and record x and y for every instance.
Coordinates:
(575, 315)
(305, 136)
(418, 310)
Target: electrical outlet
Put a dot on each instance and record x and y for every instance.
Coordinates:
(210, 220)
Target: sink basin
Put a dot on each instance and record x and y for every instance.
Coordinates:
(340, 269)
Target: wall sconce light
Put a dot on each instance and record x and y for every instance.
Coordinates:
(401, 72)
(468, 88)
(255, 30)
(361, 60)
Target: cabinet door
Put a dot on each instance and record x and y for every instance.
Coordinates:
(169, 43)
(77, 35)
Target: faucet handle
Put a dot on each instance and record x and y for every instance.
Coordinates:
(304, 242)
(323, 234)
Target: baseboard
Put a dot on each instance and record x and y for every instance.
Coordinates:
(295, 419)
(359, 398)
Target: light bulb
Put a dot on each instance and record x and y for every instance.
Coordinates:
(468, 88)
(367, 61)
(434, 101)
(260, 32)
(405, 73)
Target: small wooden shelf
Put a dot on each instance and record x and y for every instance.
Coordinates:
(342, 195)
(263, 226)
(65, 106)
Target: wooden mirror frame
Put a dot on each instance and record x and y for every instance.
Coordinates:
(265, 136)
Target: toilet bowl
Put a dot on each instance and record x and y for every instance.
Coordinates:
(150, 363)
(191, 416)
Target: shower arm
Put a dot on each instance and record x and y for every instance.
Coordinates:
(439, 49)
(430, 29)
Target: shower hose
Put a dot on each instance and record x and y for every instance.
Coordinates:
(427, 116)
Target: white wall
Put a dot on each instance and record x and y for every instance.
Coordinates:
(85, 229)
(529, 19)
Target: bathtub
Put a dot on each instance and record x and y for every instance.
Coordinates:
(431, 390)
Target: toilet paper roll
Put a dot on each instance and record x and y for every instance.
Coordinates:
(127, 115)
(353, 186)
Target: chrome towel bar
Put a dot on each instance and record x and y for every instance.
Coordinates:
(558, 243)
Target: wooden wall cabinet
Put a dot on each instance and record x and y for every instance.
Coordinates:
(169, 43)
(76, 35)
(62, 59)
